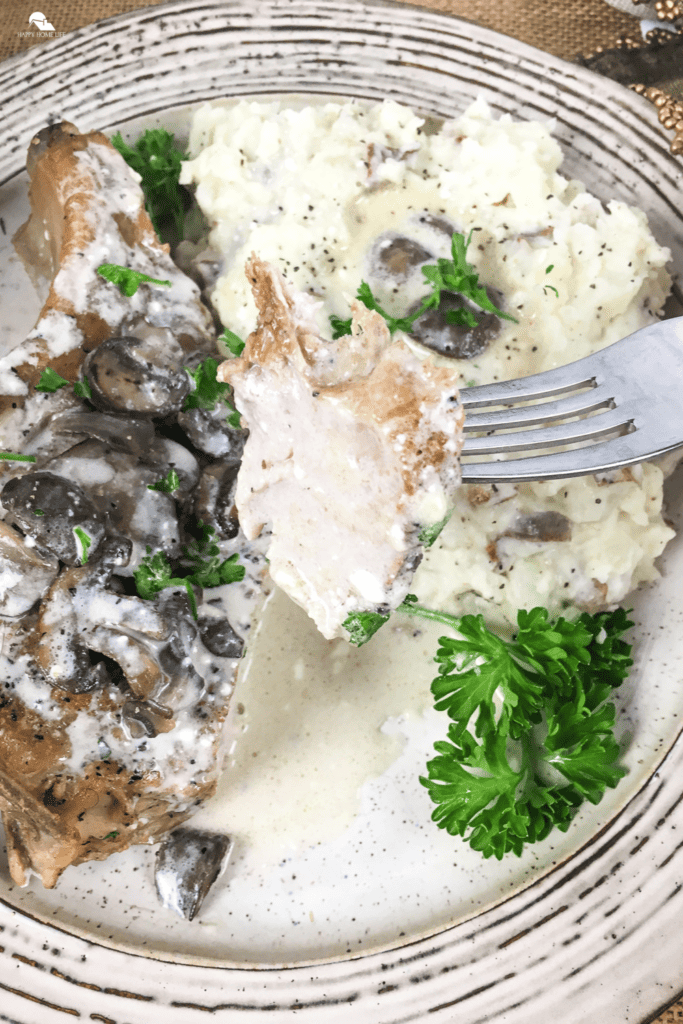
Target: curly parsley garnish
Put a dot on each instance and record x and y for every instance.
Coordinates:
(446, 275)
(126, 280)
(531, 735)
(50, 381)
(208, 390)
(362, 625)
(168, 484)
(201, 566)
(232, 342)
(82, 389)
(157, 161)
(85, 540)
(428, 534)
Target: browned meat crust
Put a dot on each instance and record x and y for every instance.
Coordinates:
(66, 797)
(87, 208)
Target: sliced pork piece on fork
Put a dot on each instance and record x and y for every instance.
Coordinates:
(352, 459)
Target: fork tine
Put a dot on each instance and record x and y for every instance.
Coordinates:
(598, 458)
(547, 437)
(599, 397)
(581, 373)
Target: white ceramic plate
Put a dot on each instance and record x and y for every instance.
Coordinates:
(379, 925)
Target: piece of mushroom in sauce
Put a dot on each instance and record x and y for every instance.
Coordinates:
(49, 510)
(188, 863)
(220, 638)
(397, 256)
(118, 487)
(142, 375)
(459, 341)
(25, 574)
(214, 499)
(209, 432)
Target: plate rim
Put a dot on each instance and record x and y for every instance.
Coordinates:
(519, 51)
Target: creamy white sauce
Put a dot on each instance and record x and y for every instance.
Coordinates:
(305, 727)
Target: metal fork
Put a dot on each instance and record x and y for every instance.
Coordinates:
(634, 388)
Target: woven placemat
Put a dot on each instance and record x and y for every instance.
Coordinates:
(565, 28)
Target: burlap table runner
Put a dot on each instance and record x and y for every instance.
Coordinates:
(566, 28)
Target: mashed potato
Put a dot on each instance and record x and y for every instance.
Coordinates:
(338, 193)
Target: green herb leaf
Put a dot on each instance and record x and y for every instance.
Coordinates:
(126, 280)
(111, 835)
(82, 389)
(551, 267)
(552, 288)
(523, 711)
(232, 342)
(157, 161)
(453, 275)
(50, 381)
(208, 390)
(168, 484)
(200, 565)
(85, 541)
(203, 559)
(362, 625)
(38, 512)
(15, 457)
(155, 574)
(340, 327)
(428, 534)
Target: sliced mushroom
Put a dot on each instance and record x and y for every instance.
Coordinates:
(437, 223)
(220, 638)
(136, 375)
(169, 454)
(214, 499)
(25, 575)
(434, 331)
(79, 615)
(127, 433)
(540, 526)
(49, 509)
(145, 718)
(188, 863)
(397, 256)
(209, 431)
(118, 486)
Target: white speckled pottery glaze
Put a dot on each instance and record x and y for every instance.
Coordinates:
(389, 921)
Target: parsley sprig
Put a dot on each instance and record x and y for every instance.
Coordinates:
(50, 381)
(446, 275)
(200, 566)
(232, 342)
(157, 160)
(208, 390)
(168, 484)
(126, 280)
(531, 734)
(362, 625)
(85, 541)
